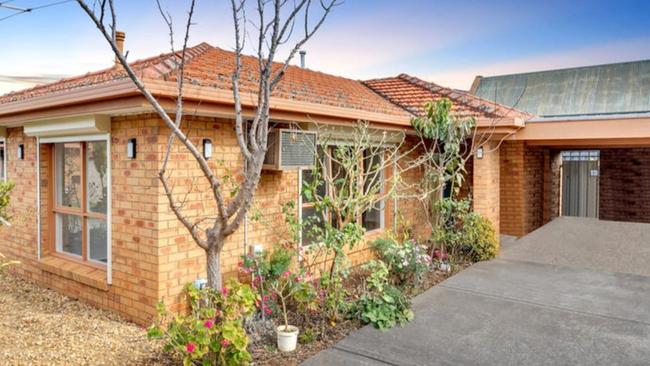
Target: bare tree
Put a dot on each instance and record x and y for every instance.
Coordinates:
(275, 22)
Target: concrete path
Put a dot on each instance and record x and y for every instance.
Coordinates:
(532, 306)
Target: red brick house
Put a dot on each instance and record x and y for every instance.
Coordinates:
(90, 216)
(91, 219)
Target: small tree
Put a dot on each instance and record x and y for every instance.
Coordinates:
(275, 25)
(447, 147)
(350, 179)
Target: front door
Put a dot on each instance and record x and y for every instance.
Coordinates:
(580, 182)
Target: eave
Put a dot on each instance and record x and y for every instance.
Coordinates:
(102, 97)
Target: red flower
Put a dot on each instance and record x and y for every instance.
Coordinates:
(209, 324)
(265, 298)
(190, 347)
(286, 274)
(225, 343)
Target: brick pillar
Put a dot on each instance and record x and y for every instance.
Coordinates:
(486, 173)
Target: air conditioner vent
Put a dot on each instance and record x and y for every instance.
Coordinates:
(291, 149)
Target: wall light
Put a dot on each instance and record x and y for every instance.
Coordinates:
(21, 152)
(207, 148)
(131, 149)
(479, 153)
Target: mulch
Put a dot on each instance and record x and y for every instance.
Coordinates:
(39, 326)
(42, 327)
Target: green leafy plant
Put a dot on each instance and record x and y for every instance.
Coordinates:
(480, 237)
(277, 284)
(407, 262)
(307, 336)
(464, 232)
(382, 304)
(5, 198)
(212, 334)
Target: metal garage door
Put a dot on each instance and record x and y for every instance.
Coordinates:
(580, 182)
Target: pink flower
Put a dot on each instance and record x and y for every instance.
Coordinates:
(224, 291)
(225, 343)
(209, 324)
(286, 274)
(265, 298)
(268, 311)
(190, 347)
(299, 279)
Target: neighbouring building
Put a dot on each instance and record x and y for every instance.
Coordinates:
(585, 153)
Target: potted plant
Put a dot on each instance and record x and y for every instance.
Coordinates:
(284, 288)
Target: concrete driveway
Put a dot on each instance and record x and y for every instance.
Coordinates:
(574, 292)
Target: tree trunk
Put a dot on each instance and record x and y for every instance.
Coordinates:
(213, 255)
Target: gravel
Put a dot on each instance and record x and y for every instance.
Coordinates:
(41, 327)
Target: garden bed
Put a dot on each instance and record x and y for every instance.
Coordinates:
(327, 334)
(42, 327)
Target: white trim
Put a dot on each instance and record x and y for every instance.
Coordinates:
(109, 218)
(300, 209)
(80, 138)
(38, 198)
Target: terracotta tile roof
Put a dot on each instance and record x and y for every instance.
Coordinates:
(212, 67)
(412, 94)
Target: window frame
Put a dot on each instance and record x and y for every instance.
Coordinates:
(83, 212)
(328, 167)
(3, 142)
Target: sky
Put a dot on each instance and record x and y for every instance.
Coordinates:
(446, 42)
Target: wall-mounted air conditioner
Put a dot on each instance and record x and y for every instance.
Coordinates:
(290, 149)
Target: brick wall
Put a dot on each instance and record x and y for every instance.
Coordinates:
(525, 186)
(625, 184)
(487, 179)
(153, 255)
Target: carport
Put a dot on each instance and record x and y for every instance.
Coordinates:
(574, 292)
(585, 153)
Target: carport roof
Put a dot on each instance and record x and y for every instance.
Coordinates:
(620, 89)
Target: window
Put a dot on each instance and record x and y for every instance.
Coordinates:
(371, 219)
(3, 160)
(81, 199)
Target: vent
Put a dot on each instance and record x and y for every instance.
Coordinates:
(290, 149)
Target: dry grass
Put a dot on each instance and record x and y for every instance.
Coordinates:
(41, 327)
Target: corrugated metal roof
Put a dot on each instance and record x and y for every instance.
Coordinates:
(622, 88)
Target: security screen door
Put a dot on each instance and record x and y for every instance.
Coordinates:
(580, 183)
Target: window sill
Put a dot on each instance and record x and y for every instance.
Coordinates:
(74, 270)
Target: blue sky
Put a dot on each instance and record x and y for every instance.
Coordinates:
(448, 42)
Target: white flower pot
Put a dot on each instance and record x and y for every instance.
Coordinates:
(287, 338)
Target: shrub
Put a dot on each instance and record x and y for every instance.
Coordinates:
(407, 262)
(480, 238)
(5, 189)
(212, 334)
(382, 304)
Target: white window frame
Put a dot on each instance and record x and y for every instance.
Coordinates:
(109, 226)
